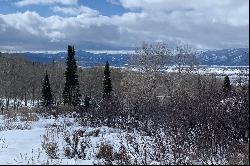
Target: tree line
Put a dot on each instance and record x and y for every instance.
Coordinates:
(71, 92)
(23, 82)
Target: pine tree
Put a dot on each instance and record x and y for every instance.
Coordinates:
(47, 98)
(226, 85)
(107, 86)
(71, 92)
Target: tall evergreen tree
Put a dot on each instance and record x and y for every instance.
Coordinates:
(226, 85)
(47, 98)
(71, 92)
(107, 85)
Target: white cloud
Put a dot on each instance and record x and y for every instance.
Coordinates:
(114, 2)
(22, 3)
(211, 24)
(75, 10)
(205, 24)
(223, 11)
(29, 28)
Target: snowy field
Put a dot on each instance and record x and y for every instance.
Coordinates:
(235, 73)
(24, 145)
(29, 142)
(30, 139)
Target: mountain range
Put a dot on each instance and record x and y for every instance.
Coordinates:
(224, 57)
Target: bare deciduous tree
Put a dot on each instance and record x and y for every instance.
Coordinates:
(151, 57)
(185, 55)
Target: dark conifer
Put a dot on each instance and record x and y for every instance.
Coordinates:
(47, 98)
(71, 92)
(226, 85)
(107, 85)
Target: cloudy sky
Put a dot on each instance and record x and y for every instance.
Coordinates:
(121, 24)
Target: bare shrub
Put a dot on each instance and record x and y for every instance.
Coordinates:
(51, 149)
(10, 114)
(3, 144)
(122, 157)
(35, 158)
(75, 146)
(15, 124)
(50, 143)
(26, 114)
(106, 152)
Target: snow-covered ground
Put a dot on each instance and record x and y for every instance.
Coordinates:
(24, 146)
(234, 72)
(45, 141)
(64, 51)
(35, 52)
(111, 51)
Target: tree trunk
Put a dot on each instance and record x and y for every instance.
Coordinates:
(15, 103)
(33, 96)
(179, 69)
(25, 99)
(7, 103)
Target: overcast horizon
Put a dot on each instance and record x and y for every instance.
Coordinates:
(122, 24)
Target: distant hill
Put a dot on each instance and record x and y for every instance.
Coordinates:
(83, 58)
(226, 57)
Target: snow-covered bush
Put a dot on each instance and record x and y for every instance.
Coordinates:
(75, 146)
(52, 137)
(50, 145)
(15, 124)
(3, 144)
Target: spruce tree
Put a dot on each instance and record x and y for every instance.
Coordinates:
(47, 98)
(71, 92)
(226, 85)
(107, 86)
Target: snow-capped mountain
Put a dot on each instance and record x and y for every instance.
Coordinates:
(84, 58)
(227, 57)
(88, 58)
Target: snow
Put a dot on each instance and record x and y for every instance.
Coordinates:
(64, 51)
(35, 52)
(110, 51)
(24, 146)
(234, 72)
(19, 142)
(20, 146)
